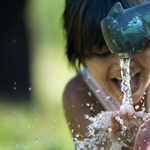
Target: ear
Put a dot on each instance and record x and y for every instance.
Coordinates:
(117, 8)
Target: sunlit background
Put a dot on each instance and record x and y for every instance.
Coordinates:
(42, 126)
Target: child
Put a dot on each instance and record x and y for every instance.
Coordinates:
(97, 85)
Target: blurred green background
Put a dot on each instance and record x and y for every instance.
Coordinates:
(43, 125)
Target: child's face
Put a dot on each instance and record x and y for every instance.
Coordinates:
(105, 68)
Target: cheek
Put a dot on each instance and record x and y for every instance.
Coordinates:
(142, 58)
(98, 69)
(102, 73)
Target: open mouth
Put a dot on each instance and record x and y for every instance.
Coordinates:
(134, 83)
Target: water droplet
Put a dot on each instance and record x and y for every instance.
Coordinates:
(97, 91)
(143, 109)
(48, 137)
(134, 116)
(34, 109)
(77, 135)
(36, 140)
(15, 82)
(137, 107)
(89, 93)
(119, 139)
(123, 133)
(32, 126)
(91, 108)
(72, 105)
(87, 104)
(108, 97)
(54, 120)
(109, 129)
(26, 146)
(17, 145)
(35, 119)
(86, 116)
(15, 88)
(124, 128)
(28, 126)
(79, 126)
(29, 88)
(13, 112)
(28, 136)
(47, 146)
(72, 130)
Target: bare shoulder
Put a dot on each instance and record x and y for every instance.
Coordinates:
(78, 94)
(77, 102)
(75, 87)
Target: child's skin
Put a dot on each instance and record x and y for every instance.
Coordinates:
(104, 67)
(143, 137)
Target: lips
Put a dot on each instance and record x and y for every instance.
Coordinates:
(134, 83)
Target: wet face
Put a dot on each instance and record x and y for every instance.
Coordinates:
(105, 68)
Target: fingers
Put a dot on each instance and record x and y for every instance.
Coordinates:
(125, 123)
(113, 122)
(130, 112)
(122, 120)
(124, 116)
(139, 114)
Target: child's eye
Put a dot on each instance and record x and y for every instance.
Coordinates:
(103, 54)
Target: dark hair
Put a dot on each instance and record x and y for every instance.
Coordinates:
(82, 24)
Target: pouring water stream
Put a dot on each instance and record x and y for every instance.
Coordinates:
(125, 85)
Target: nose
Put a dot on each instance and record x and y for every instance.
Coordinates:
(116, 62)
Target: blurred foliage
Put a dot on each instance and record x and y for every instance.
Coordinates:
(42, 125)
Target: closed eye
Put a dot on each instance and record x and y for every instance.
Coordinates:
(103, 54)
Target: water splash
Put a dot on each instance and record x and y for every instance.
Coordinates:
(98, 135)
(99, 131)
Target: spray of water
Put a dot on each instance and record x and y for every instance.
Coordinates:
(99, 130)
